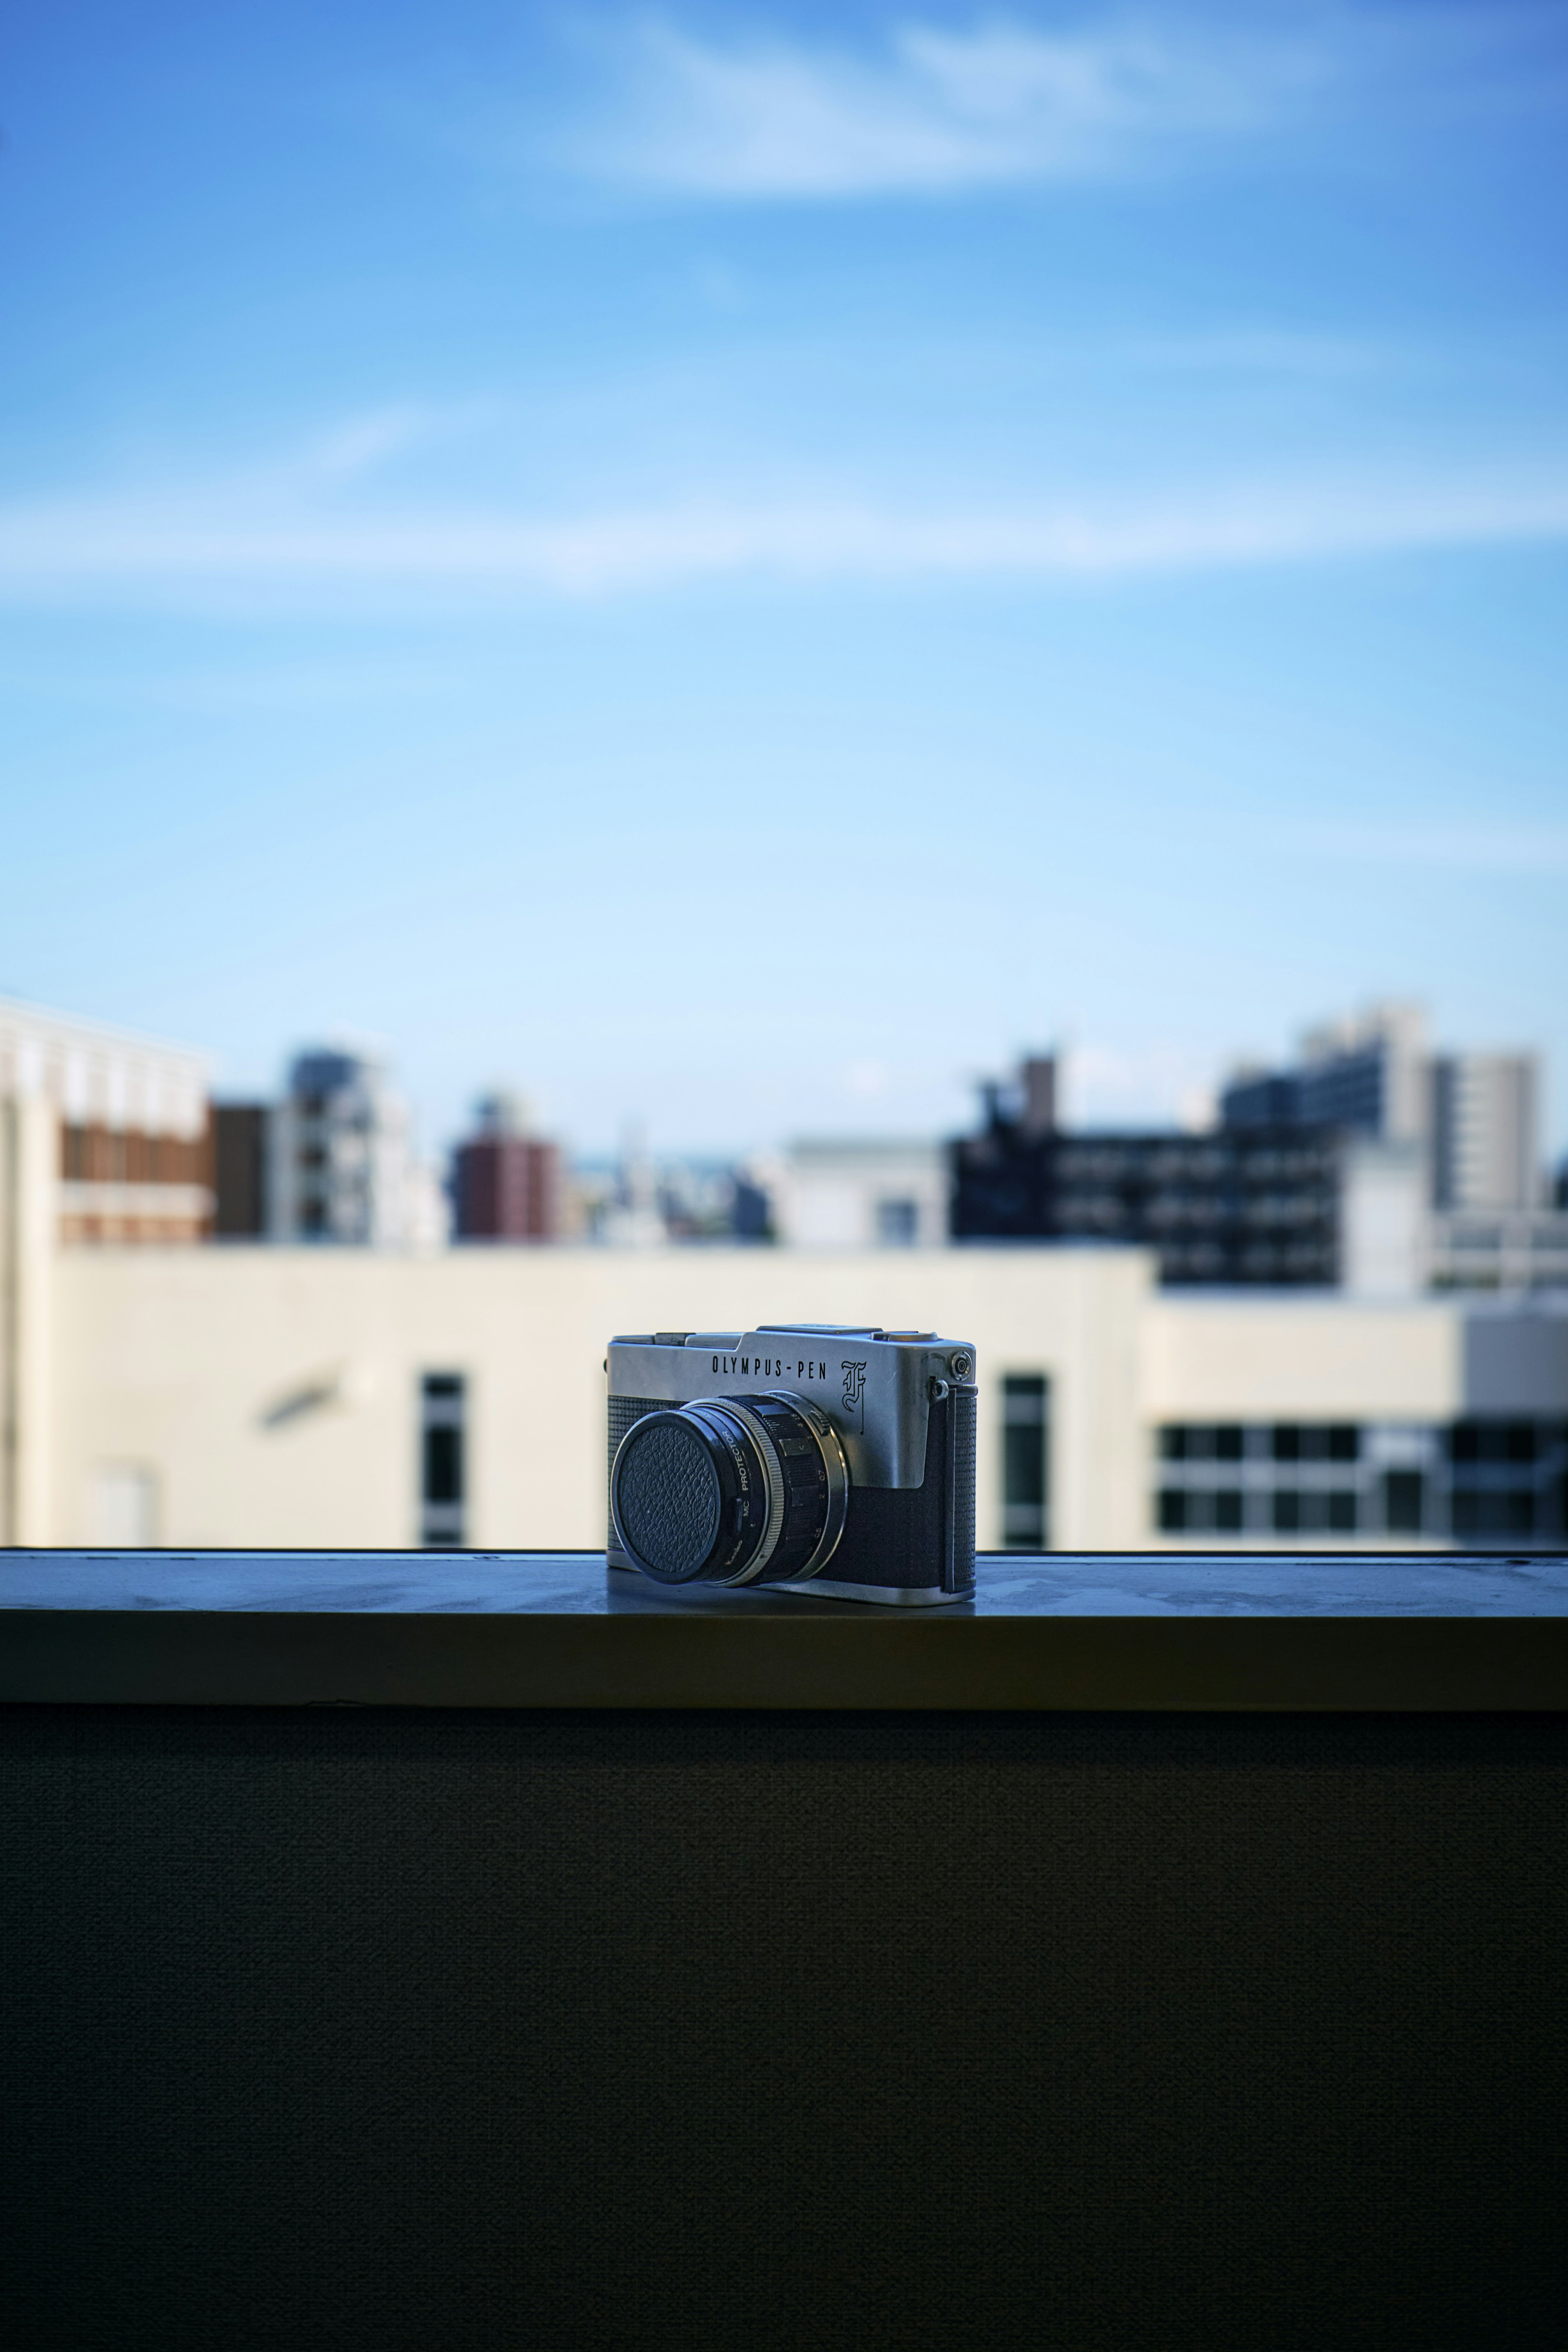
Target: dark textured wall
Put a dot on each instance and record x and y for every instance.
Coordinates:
(439, 2032)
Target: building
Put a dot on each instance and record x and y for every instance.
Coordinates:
(1283, 1206)
(341, 1166)
(1367, 1075)
(104, 1148)
(859, 1194)
(125, 1117)
(1474, 1118)
(1475, 1115)
(507, 1184)
(1486, 1151)
(1259, 1208)
(1522, 1250)
(1371, 1167)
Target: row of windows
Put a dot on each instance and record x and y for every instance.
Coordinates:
(1463, 1442)
(1475, 1479)
(1172, 1209)
(103, 1155)
(1230, 1510)
(1404, 1500)
(1504, 1441)
(1097, 1163)
(1279, 1440)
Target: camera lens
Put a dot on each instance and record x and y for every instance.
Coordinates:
(729, 1489)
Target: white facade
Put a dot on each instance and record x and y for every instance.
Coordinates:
(1485, 1141)
(272, 1396)
(96, 1076)
(872, 1193)
(1385, 1229)
(132, 1113)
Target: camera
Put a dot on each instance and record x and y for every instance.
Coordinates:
(838, 1458)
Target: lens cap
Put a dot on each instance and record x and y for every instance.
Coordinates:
(669, 1496)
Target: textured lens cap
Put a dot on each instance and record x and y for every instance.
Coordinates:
(667, 1495)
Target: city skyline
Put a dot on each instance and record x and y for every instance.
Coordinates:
(742, 570)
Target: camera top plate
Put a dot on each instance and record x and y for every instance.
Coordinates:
(873, 1384)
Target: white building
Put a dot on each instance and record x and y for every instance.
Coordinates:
(123, 1116)
(103, 1140)
(861, 1194)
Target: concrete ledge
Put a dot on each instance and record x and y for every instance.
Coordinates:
(1150, 1632)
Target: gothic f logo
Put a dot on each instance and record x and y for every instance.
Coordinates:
(854, 1385)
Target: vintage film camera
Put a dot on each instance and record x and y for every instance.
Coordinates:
(839, 1459)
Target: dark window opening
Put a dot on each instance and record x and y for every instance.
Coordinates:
(898, 1224)
(1404, 1502)
(443, 1466)
(442, 1463)
(1026, 1462)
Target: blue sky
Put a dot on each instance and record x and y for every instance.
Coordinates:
(737, 568)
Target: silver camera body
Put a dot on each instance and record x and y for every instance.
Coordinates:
(833, 1458)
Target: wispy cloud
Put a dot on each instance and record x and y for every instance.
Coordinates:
(276, 534)
(1489, 847)
(926, 109)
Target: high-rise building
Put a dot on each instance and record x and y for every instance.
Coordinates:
(339, 1163)
(1273, 1202)
(1259, 1205)
(1485, 1147)
(1365, 1076)
(507, 1182)
(1474, 1115)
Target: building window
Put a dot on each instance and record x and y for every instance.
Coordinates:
(898, 1224)
(1478, 1481)
(442, 1466)
(1026, 1462)
(1279, 1478)
(1404, 1502)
